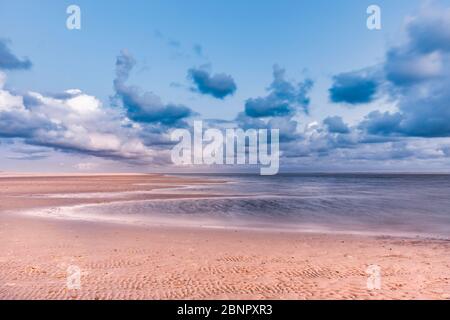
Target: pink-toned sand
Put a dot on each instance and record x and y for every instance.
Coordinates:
(132, 262)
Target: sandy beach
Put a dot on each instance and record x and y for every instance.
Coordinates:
(123, 261)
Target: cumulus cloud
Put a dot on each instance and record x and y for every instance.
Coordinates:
(354, 88)
(219, 85)
(415, 78)
(418, 117)
(416, 65)
(144, 107)
(336, 125)
(430, 31)
(288, 128)
(278, 110)
(315, 140)
(8, 61)
(406, 68)
(70, 122)
(419, 72)
(381, 123)
(424, 57)
(285, 98)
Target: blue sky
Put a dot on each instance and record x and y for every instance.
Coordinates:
(240, 41)
(242, 38)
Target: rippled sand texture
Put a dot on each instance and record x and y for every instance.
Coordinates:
(127, 262)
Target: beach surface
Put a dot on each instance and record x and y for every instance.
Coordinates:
(38, 254)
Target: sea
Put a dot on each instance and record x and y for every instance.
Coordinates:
(411, 205)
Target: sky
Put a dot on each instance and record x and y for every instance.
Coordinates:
(105, 97)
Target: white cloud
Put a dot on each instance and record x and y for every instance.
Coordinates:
(73, 122)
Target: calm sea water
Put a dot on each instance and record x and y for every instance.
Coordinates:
(413, 205)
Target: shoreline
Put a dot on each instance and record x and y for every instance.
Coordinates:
(158, 262)
(119, 261)
(172, 223)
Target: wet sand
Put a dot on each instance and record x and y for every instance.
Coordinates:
(136, 262)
